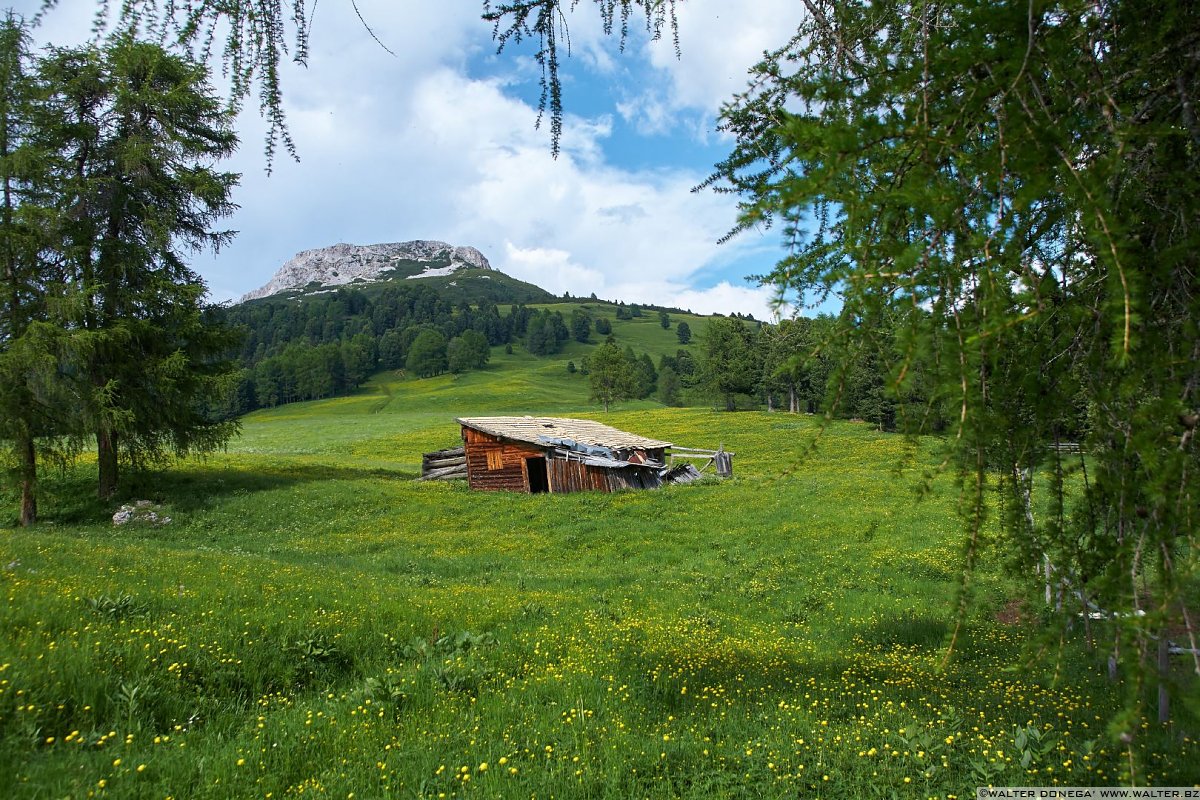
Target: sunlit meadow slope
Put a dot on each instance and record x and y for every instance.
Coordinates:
(314, 622)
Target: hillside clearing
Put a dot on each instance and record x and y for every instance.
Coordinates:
(314, 621)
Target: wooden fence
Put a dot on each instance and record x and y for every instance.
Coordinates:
(721, 459)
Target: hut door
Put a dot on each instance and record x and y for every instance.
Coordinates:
(539, 481)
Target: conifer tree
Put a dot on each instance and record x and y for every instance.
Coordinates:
(22, 298)
(669, 387)
(1014, 185)
(466, 352)
(683, 332)
(610, 374)
(731, 360)
(134, 133)
(427, 356)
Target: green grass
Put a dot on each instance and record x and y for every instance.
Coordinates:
(644, 334)
(301, 626)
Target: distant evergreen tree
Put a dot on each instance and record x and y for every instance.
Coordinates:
(780, 351)
(603, 326)
(647, 376)
(269, 388)
(489, 322)
(359, 359)
(731, 360)
(240, 400)
(581, 325)
(427, 356)
(683, 332)
(317, 369)
(685, 364)
(664, 319)
(391, 350)
(559, 329)
(538, 341)
(520, 319)
(610, 375)
(469, 351)
(546, 333)
(669, 387)
(410, 334)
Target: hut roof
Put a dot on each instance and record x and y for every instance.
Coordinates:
(543, 430)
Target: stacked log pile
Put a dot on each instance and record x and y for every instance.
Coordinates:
(444, 465)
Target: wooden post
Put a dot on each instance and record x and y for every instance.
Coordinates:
(724, 462)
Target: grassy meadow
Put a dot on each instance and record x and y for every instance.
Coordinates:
(313, 622)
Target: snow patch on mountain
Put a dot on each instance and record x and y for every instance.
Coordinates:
(434, 272)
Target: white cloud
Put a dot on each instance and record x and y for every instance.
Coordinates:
(648, 113)
(725, 298)
(418, 146)
(551, 269)
(614, 224)
(719, 43)
(460, 160)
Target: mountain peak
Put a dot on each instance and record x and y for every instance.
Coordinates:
(342, 263)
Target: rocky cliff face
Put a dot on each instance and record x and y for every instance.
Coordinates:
(346, 263)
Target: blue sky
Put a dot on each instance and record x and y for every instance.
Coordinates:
(438, 142)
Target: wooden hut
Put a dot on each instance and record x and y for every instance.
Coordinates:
(552, 454)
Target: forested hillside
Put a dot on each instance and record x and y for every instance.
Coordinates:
(328, 344)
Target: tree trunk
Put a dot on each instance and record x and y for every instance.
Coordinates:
(106, 457)
(1164, 674)
(28, 480)
(770, 403)
(793, 404)
(1164, 646)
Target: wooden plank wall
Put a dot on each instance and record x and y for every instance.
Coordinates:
(506, 470)
(510, 456)
(572, 476)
